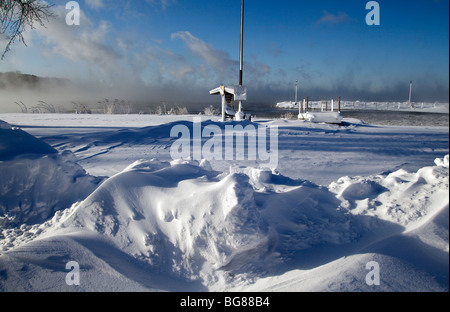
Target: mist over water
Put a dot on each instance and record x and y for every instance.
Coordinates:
(19, 91)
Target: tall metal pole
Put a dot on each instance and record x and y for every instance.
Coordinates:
(241, 53)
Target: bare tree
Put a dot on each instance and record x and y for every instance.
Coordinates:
(16, 15)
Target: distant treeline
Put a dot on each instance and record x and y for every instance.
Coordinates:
(17, 80)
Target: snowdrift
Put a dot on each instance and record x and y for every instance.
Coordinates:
(322, 117)
(15, 142)
(175, 218)
(36, 181)
(183, 221)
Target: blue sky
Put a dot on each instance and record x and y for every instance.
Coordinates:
(164, 50)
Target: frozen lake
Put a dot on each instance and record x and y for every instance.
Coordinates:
(395, 118)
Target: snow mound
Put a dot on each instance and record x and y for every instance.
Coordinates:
(183, 219)
(36, 181)
(287, 105)
(442, 162)
(323, 117)
(400, 197)
(32, 190)
(15, 142)
(175, 217)
(4, 125)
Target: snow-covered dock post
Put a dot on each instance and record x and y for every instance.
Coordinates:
(410, 94)
(301, 115)
(332, 105)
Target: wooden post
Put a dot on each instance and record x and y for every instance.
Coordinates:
(307, 104)
(339, 106)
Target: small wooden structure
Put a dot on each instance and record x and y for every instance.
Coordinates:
(227, 95)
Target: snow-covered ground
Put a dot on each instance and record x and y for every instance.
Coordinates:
(345, 205)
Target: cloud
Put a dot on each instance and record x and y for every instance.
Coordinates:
(217, 64)
(275, 50)
(163, 4)
(86, 43)
(329, 18)
(219, 60)
(95, 4)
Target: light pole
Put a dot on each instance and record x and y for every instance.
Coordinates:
(241, 52)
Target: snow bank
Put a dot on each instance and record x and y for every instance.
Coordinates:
(442, 162)
(36, 181)
(5, 125)
(184, 220)
(32, 190)
(287, 105)
(177, 218)
(323, 117)
(400, 197)
(15, 142)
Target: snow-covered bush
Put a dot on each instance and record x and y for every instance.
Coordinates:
(116, 107)
(210, 111)
(178, 111)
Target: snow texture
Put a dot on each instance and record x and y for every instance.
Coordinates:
(171, 225)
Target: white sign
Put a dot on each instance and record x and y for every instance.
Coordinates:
(240, 93)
